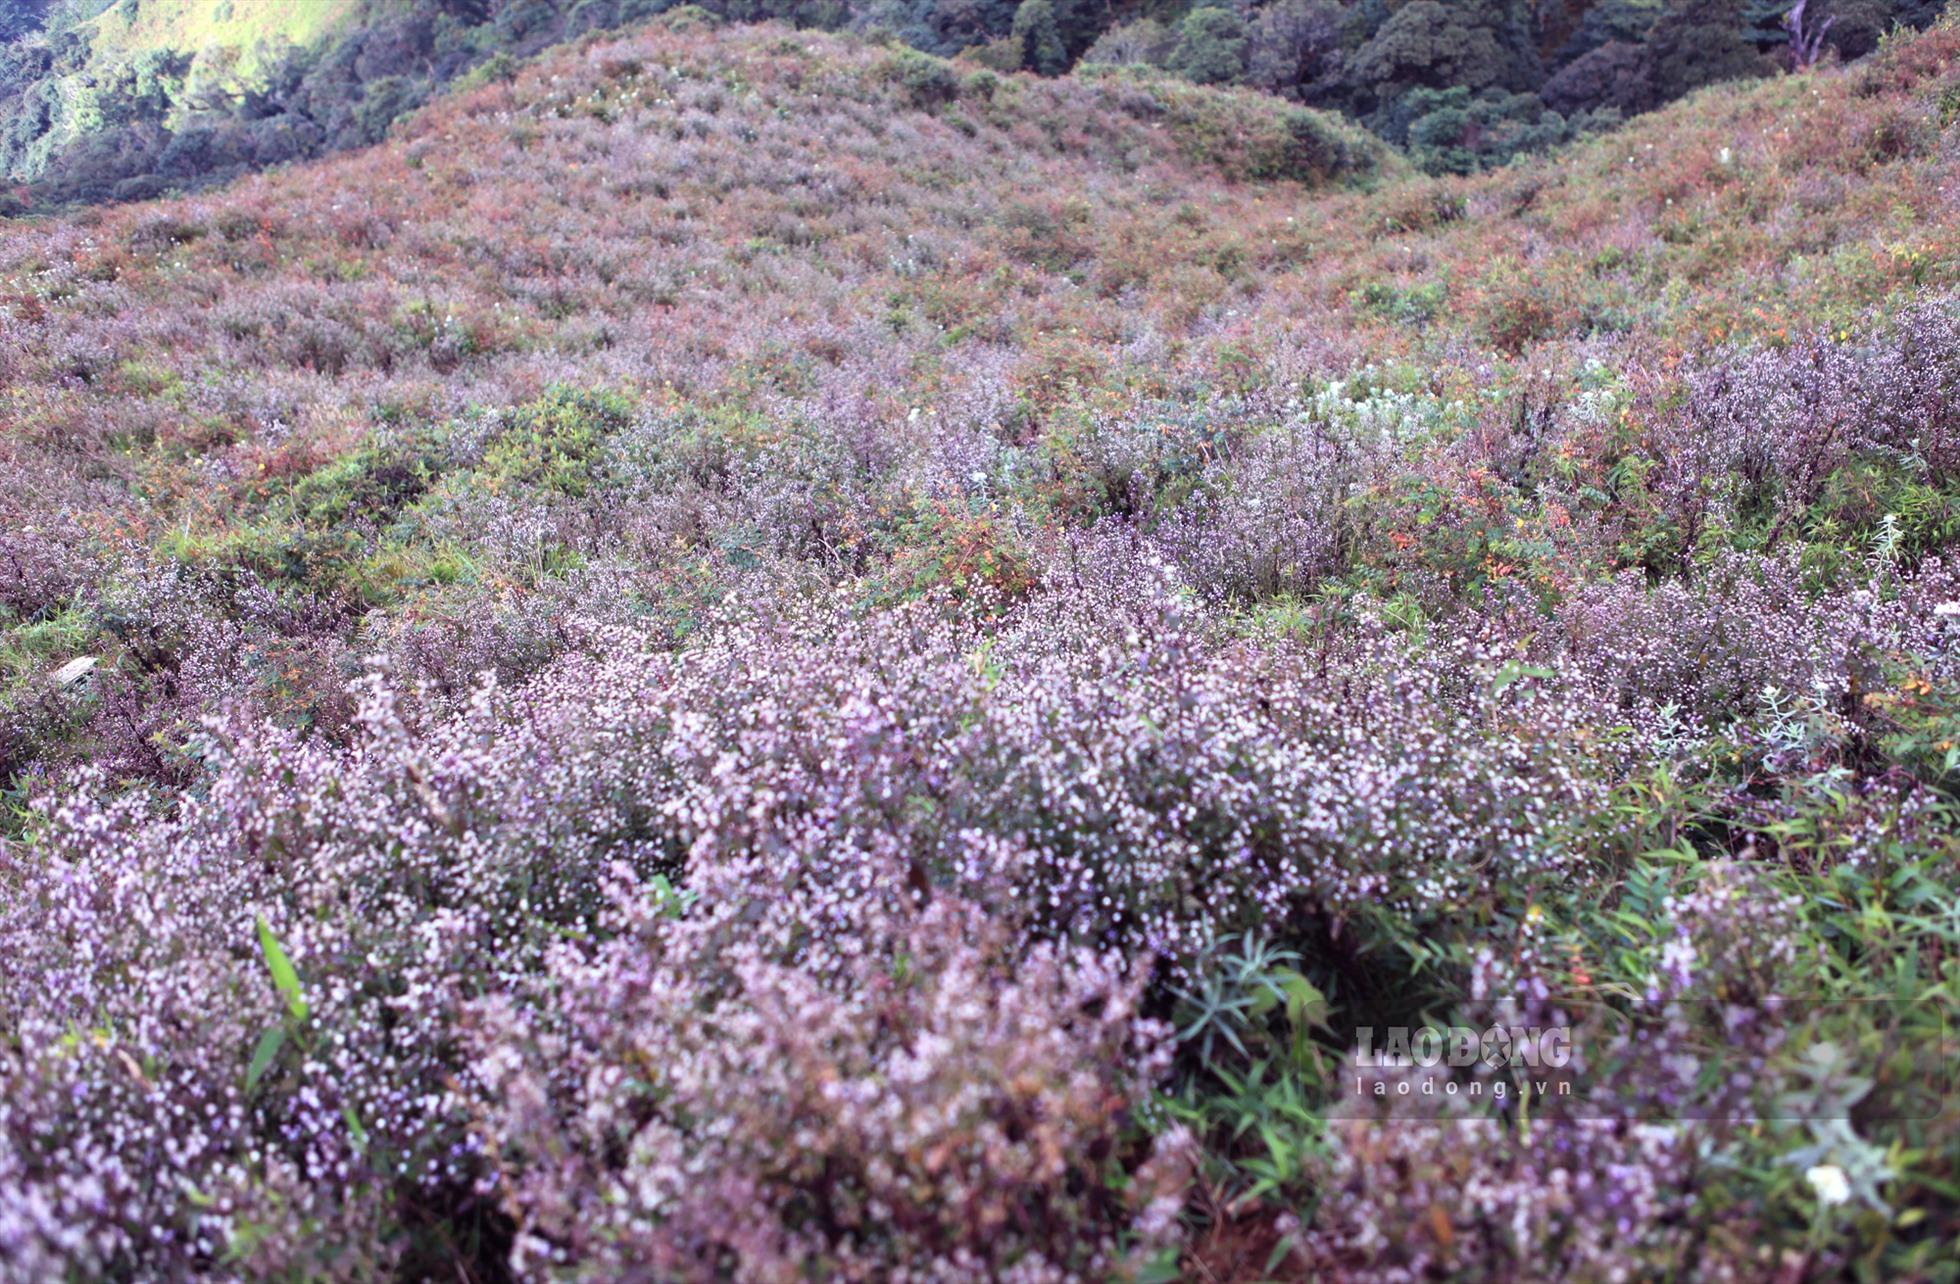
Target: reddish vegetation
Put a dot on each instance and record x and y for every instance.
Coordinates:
(754, 657)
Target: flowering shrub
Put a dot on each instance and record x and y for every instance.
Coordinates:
(1277, 526)
(740, 657)
(949, 1100)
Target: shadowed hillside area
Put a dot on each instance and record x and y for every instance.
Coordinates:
(747, 653)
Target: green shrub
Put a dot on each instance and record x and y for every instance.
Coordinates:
(1415, 306)
(927, 81)
(553, 442)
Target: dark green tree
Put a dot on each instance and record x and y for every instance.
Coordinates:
(1080, 22)
(1455, 132)
(1211, 47)
(1040, 37)
(1426, 44)
(947, 26)
(1514, 25)
(1429, 45)
(1614, 76)
(19, 17)
(1145, 42)
(1762, 23)
(161, 75)
(1294, 47)
(1613, 21)
(1700, 42)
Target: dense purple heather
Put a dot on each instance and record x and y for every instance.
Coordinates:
(880, 702)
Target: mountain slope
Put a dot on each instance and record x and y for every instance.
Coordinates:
(731, 216)
(743, 653)
(241, 35)
(157, 62)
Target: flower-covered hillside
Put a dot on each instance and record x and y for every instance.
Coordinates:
(752, 656)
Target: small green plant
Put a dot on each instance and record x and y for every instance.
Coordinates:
(926, 80)
(498, 69)
(285, 981)
(1237, 997)
(554, 442)
(1415, 306)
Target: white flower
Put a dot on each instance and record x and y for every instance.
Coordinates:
(1830, 1183)
(1947, 608)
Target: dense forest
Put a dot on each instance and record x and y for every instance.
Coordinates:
(99, 102)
